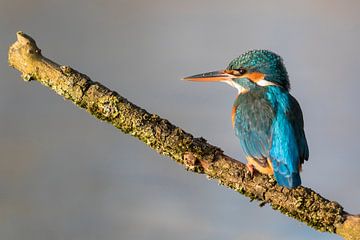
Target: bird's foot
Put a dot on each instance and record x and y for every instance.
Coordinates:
(250, 169)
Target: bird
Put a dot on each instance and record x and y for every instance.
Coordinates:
(266, 118)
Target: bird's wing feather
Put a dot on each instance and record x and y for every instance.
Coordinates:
(253, 120)
(295, 117)
(289, 147)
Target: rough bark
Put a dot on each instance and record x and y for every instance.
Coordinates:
(195, 154)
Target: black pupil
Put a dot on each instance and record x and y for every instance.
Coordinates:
(241, 70)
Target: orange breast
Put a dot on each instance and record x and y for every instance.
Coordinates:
(233, 112)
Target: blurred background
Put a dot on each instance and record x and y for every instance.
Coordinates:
(65, 175)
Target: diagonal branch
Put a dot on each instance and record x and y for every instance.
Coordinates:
(195, 154)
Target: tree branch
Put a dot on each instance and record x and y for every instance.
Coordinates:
(195, 154)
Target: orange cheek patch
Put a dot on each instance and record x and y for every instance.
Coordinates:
(254, 76)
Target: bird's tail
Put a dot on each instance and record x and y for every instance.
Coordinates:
(289, 181)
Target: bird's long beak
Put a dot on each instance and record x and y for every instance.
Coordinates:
(217, 76)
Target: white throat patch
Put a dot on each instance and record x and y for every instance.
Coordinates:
(262, 83)
(236, 85)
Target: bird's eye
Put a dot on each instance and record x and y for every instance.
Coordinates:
(241, 71)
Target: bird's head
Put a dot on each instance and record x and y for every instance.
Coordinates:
(253, 69)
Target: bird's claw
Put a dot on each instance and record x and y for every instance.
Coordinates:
(250, 169)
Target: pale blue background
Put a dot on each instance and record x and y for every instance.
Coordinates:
(65, 175)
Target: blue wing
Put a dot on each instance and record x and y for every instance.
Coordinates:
(295, 117)
(289, 147)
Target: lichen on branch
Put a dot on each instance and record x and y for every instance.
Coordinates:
(195, 154)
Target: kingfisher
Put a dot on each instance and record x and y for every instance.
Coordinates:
(266, 118)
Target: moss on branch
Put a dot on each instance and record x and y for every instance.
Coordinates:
(195, 154)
